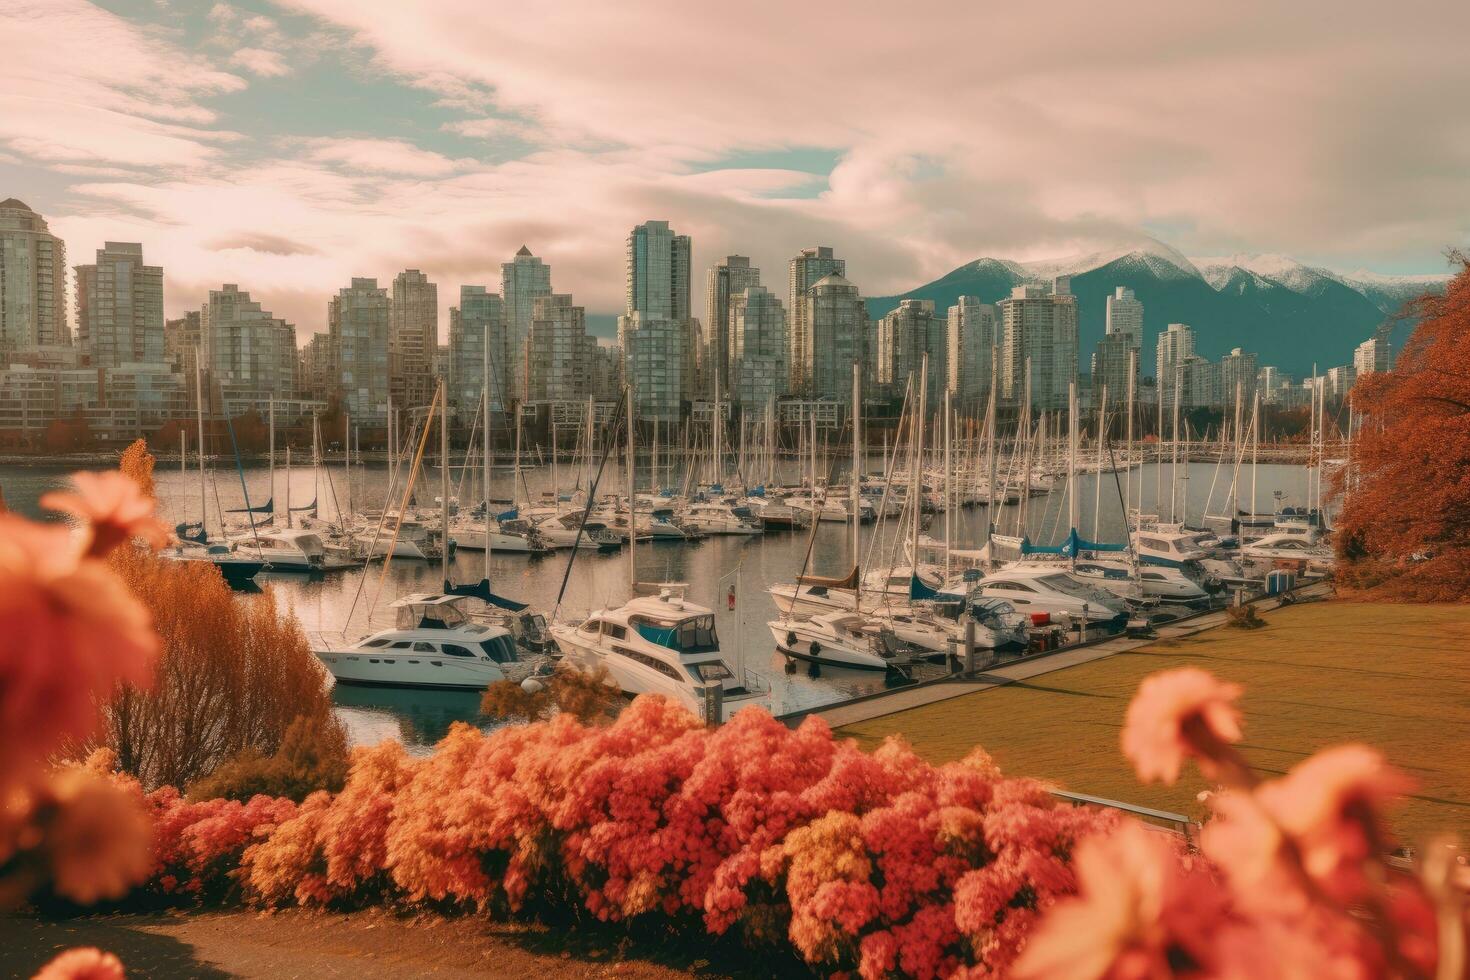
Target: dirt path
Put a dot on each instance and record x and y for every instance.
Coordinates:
(368, 945)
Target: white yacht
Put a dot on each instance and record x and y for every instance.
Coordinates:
(559, 531)
(714, 517)
(839, 639)
(509, 537)
(661, 644)
(238, 570)
(997, 625)
(415, 540)
(284, 549)
(432, 644)
(1163, 582)
(1289, 546)
(1054, 591)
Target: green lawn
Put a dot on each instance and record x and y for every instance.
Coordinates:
(1393, 676)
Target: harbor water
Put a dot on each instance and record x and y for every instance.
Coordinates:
(352, 603)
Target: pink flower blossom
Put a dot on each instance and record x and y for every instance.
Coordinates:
(112, 506)
(82, 963)
(1178, 714)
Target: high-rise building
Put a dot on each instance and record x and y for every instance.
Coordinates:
(479, 317)
(1372, 355)
(1175, 350)
(972, 339)
(758, 347)
(1124, 338)
(807, 269)
(1272, 384)
(1040, 328)
(32, 281)
(316, 371)
(183, 339)
(1339, 381)
(413, 338)
(245, 348)
(120, 307)
(358, 323)
(607, 372)
(728, 279)
(1237, 370)
(655, 354)
(522, 281)
(905, 335)
(658, 272)
(836, 322)
(560, 351)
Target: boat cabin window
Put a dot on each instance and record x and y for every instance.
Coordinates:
(501, 649)
(430, 616)
(652, 663)
(422, 647)
(401, 645)
(1008, 587)
(713, 671)
(1153, 577)
(380, 642)
(1153, 543)
(698, 634)
(457, 651)
(590, 626)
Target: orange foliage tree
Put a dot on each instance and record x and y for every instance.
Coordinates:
(233, 673)
(1404, 530)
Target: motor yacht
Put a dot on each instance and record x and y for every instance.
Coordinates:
(238, 570)
(997, 626)
(504, 537)
(559, 531)
(1049, 590)
(714, 517)
(1162, 582)
(1287, 546)
(287, 550)
(661, 644)
(432, 644)
(840, 639)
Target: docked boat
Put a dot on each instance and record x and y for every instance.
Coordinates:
(839, 639)
(502, 537)
(661, 644)
(1163, 582)
(1288, 546)
(288, 550)
(238, 570)
(559, 531)
(713, 517)
(1047, 590)
(433, 644)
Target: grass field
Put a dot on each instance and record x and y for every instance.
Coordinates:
(1393, 676)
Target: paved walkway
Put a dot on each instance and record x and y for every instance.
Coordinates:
(904, 699)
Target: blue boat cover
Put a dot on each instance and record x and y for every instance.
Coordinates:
(664, 636)
(759, 491)
(509, 515)
(1071, 546)
(481, 590)
(918, 591)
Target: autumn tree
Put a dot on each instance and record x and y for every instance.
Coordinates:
(233, 675)
(1404, 531)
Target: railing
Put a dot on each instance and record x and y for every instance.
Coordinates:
(1177, 822)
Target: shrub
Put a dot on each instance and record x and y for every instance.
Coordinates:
(1244, 617)
(588, 696)
(309, 758)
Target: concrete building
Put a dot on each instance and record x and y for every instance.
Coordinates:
(479, 317)
(522, 281)
(32, 281)
(904, 336)
(1373, 355)
(1273, 385)
(111, 405)
(246, 349)
(413, 339)
(835, 319)
(1040, 327)
(1235, 370)
(807, 269)
(120, 307)
(358, 323)
(316, 373)
(607, 372)
(183, 339)
(727, 279)
(1339, 381)
(1175, 350)
(1122, 339)
(758, 347)
(560, 351)
(972, 338)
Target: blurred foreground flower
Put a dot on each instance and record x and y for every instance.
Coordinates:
(112, 507)
(1179, 714)
(82, 963)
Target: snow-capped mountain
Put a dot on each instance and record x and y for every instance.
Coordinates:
(1291, 314)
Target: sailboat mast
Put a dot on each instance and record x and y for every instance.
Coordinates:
(991, 503)
(854, 501)
(485, 424)
(443, 480)
(917, 477)
(515, 487)
(271, 497)
(288, 490)
(1128, 456)
(1072, 508)
(347, 462)
(199, 413)
(1174, 447)
(949, 507)
(632, 511)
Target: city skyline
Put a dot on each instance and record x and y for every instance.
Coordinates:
(177, 128)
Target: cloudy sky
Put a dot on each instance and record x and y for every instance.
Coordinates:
(291, 145)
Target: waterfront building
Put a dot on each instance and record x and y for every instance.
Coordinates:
(607, 372)
(807, 269)
(246, 349)
(479, 317)
(836, 322)
(1039, 327)
(315, 372)
(971, 339)
(1235, 370)
(1273, 385)
(658, 272)
(655, 355)
(728, 279)
(32, 281)
(1340, 380)
(1175, 349)
(358, 323)
(120, 307)
(183, 339)
(1372, 355)
(758, 347)
(904, 336)
(522, 281)
(413, 338)
(1123, 339)
(560, 351)
(113, 405)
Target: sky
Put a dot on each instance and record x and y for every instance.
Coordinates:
(290, 146)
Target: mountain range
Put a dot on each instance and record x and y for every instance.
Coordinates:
(1289, 314)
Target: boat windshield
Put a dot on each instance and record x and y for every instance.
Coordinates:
(430, 616)
(1067, 585)
(715, 670)
(693, 635)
